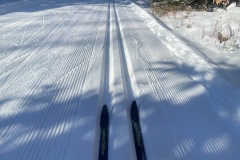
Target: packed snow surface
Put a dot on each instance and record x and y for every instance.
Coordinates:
(62, 60)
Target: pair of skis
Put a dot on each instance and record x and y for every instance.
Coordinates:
(137, 133)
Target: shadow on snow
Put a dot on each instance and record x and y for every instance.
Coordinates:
(193, 124)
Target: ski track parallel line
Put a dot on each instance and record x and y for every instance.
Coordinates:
(21, 47)
(104, 79)
(129, 83)
(67, 94)
(159, 93)
(42, 76)
(27, 68)
(28, 53)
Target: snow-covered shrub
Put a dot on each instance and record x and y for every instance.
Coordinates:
(179, 4)
(225, 35)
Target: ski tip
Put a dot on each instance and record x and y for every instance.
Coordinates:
(134, 107)
(134, 103)
(104, 117)
(104, 109)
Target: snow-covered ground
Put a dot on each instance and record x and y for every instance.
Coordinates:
(203, 27)
(200, 30)
(60, 61)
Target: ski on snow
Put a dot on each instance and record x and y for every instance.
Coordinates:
(104, 125)
(137, 133)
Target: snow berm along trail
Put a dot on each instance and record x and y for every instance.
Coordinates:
(61, 61)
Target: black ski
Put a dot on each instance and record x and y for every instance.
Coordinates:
(104, 124)
(137, 133)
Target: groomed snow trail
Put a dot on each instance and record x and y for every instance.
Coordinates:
(60, 61)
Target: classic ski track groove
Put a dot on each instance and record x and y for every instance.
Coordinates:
(166, 87)
(159, 88)
(127, 80)
(104, 84)
(103, 98)
(104, 88)
(66, 74)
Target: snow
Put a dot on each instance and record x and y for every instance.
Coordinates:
(60, 61)
(202, 33)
